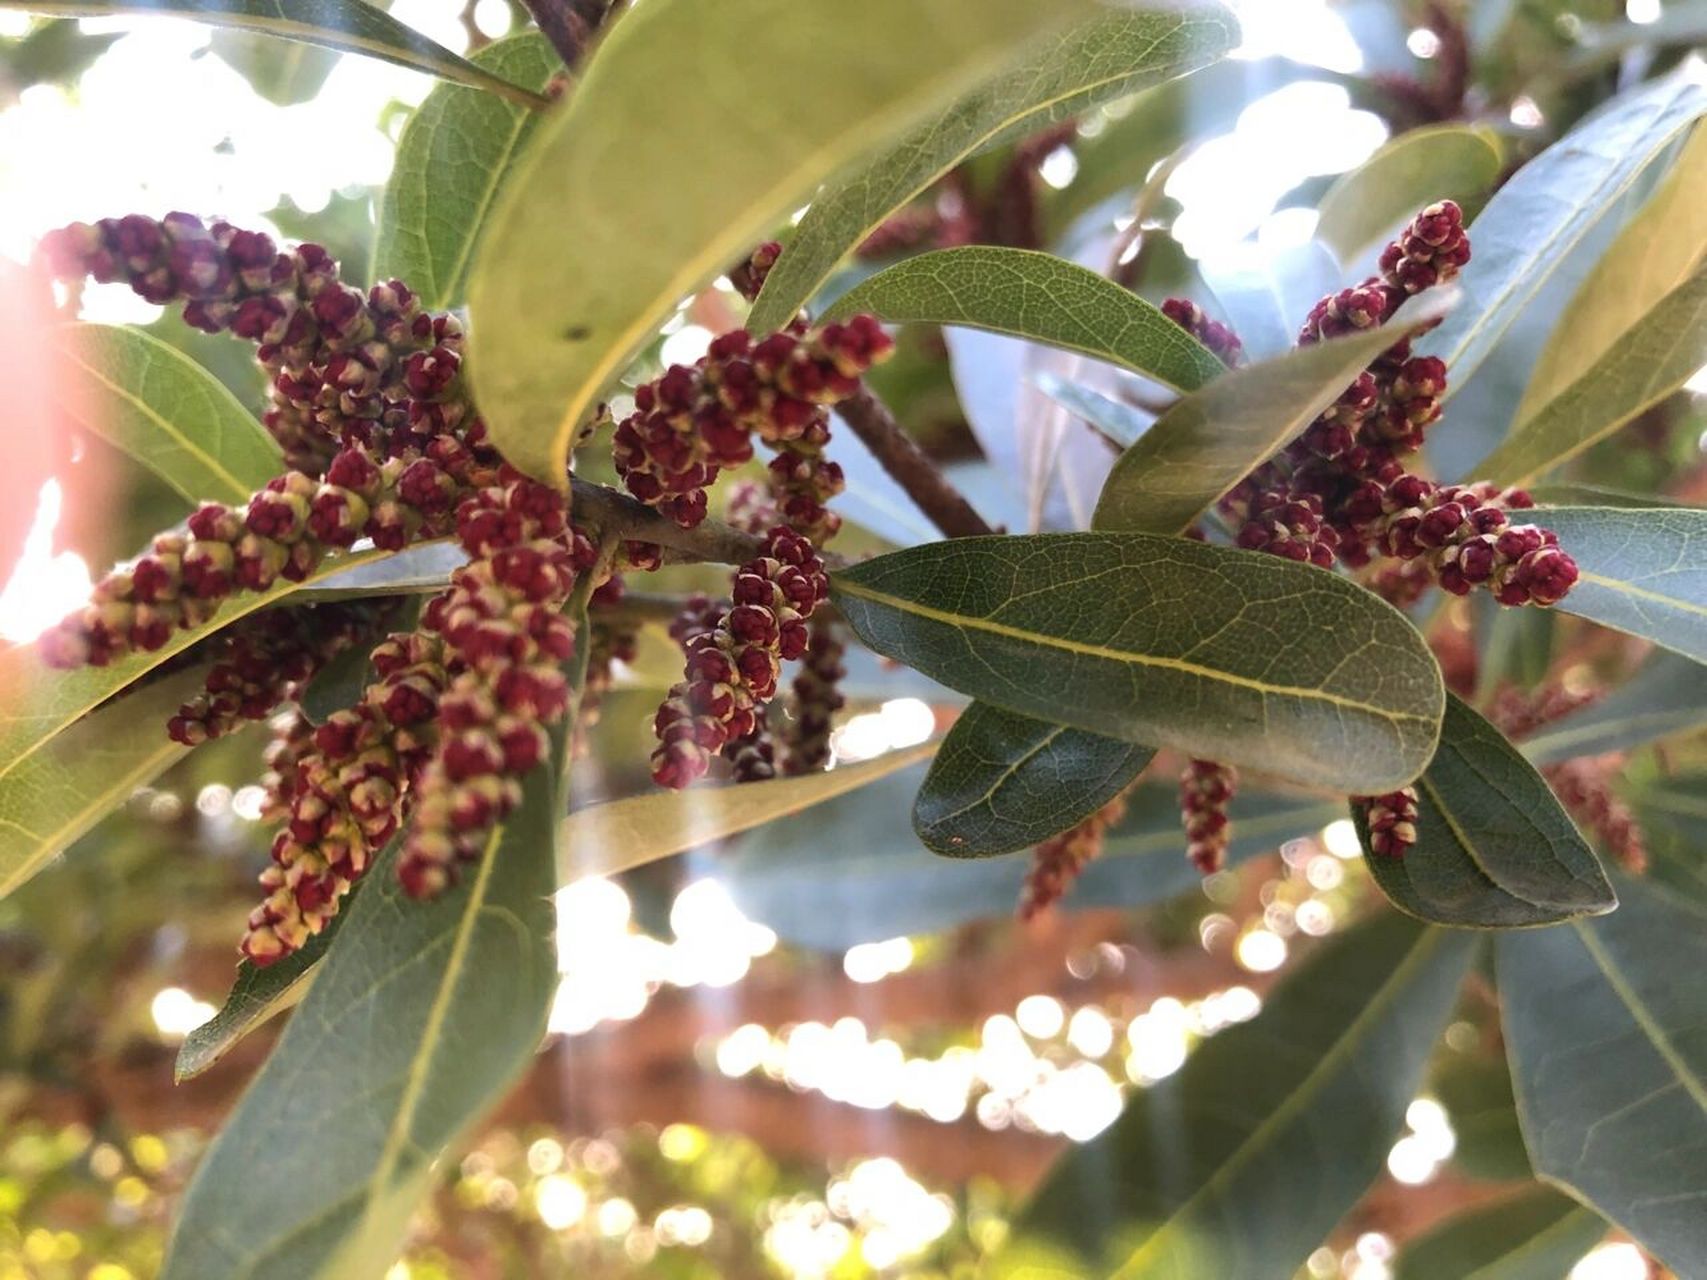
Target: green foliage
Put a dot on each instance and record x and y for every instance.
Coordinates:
(1114, 54)
(1641, 571)
(1539, 1235)
(551, 331)
(1444, 162)
(1343, 1043)
(1003, 782)
(1494, 848)
(1604, 1028)
(1036, 296)
(1667, 696)
(1205, 444)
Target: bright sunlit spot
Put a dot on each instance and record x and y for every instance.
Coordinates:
(44, 587)
(176, 1012)
(1307, 31)
(1642, 11)
(1339, 837)
(1612, 1262)
(901, 722)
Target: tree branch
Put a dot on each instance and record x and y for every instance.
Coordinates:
(569, 24)
(911, 467)
(611, 512)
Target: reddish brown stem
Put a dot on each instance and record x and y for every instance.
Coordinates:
(911, 467)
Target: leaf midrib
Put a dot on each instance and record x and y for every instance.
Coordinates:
(1294, 1102)
(1656, 1035)
(903, 605)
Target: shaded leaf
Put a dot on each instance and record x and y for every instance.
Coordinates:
(1420, 166)
(1606, 1027)
(349, 26)
(1107, 56)
(455, 152)
(1537, 220)
(50, 798)
(1658, 354)
(1667, 695)
(857, 872)
(1644, 572)
(555, 319)
(1226, 1170)
(1040, 297)
(1225, 655)
(1656, 250)
(1211, 439)
(1673, 814)
(256, 997)
(338, 685)
(161, 408)
(1539, 1235)
(1488, 1143)
(604, 839)
(1494, 848)
(1003, 782)
(284, 72)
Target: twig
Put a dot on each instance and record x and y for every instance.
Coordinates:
(616, 514)
(569, 24)
(911, 467)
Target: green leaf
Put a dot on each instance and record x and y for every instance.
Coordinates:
(349, 26)
(455, 153)
(1476, 1092)
(1644, 572)
(1538, 1235)
(1657, 250)
(1243, 1161)
(1604, 1023)
(37, 703)
(161, 408)
(256, 997)
(1494, 848)
(1119, 424)
(1673, 814)
(1225, 655)
(1211, 439)
(1538, 219)
(422, 569)
(1667, 696)
(1420, 166)
(1559, 493)
(670, 105)
(284, 72)
(856, 871)
(55, 795)
(1661, 352)
(1110, 55)
(604, 839)
(417, 1019)
(337, 685)
(1003, 782)
(1036, 296)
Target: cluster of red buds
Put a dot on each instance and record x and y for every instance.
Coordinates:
(265, 660)
(1218, 337)
(503, 624)
(733, 663)
(1392, 821)
(342, 790)
(696, 421)
(1205, 788)
(817, 698)
(1058, 861)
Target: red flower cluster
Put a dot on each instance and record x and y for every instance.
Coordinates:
(817, 698)
(733, 664)
(342, 790)
(1392, 821)
(1204, 790)
(1211, 333)
(696, 421)
(503, 624)
(1059, 860)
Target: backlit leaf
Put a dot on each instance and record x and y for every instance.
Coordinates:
(1668, 695)
(1225, 655)
(1537, 1235)
(1420, 166)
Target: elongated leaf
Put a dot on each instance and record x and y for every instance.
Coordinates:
(417, 1019)
(1653, 359)
(156, 405)
(1420, 166)
(1476, 1092)
(1644, 572)
(1494, 848)
(1604, 1023)
(38, 704)
(1229, 1168)
(60, 792)
(1673, 815)
(1539, 1235)
(1036, 296)
(284, 73)
(1657, 250)
(256, 997)
(338, 685)
(455, 153)
(1119, 424)
(856, 871)
(1668, 695)
(1003, 782)
(1226, 655)
(604, 839)
(1565, 493)
(1210, 440)
(1110, 55)
(349, 26)
(1537, 220)
(556, 317)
